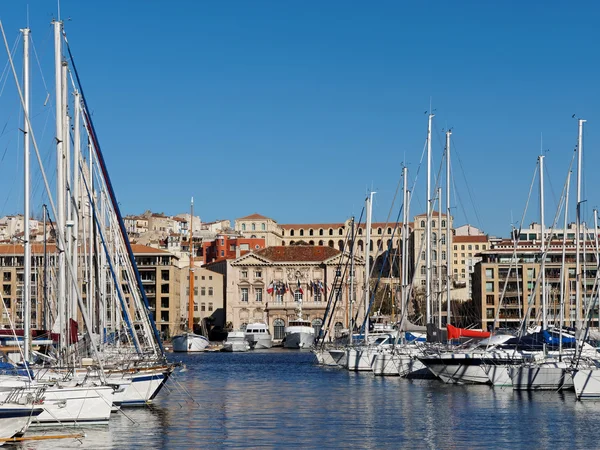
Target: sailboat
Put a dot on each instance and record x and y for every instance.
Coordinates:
(190, 341)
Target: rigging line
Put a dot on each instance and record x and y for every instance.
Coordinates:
(6, 67)
(468, 186)
(39, 66)
(549, 181)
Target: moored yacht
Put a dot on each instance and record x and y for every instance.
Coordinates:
(236, 342)
(299, 334)
(258, 336)
(190, 342)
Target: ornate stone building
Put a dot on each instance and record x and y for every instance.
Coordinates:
(268, 286)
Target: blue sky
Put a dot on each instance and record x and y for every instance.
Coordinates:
(295, 109)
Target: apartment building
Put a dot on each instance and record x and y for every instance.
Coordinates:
(208, 298)
(508, 280)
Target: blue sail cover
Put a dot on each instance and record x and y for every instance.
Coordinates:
(414, 338)
(554, 340)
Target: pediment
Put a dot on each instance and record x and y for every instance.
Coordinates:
(250, 259)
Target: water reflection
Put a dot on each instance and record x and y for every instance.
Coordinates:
(279, 398)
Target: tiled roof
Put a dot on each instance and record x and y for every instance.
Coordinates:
(17, 249)
(305, 253)
(478, 238)
(144, 249)
(434, 214)
(255, 216)
(297, 226)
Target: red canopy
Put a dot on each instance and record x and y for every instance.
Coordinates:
(455, 333)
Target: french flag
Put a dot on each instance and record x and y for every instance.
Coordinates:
(300, 288)
(270, 288)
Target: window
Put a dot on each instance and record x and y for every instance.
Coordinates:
(423, 270)
(462, 247)
(195, 307)
(243, 227)
(244, 273)
(301, 232)
(489, 286)
(489, 313)
(443, 223)
(202, 290)
(244, 294)
(209, 277)
(456, 247)
(195, 291)
(489, 299)
(317, 324)
(263, 227)
(258, 274)
(278, 327)
(164, 274)
(339, 326)
(443, 255)
(489, 273)
(378, 230)
(433, 223)
(476, 246)
(222, 241)
(210, 306)
(253, 227)
(203, 307)
(222, 252)
(298, 296)
(423, 223)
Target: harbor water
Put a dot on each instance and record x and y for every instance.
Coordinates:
(280, 399)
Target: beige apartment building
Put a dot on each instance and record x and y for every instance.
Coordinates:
(298, 274)
(208, 295)
(517, 273)
(466, 251)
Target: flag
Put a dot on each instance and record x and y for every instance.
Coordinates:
(300, 288)
(270, 288)
(321, 287)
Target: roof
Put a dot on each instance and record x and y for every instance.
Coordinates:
(17, 249)
(434, 214)
(255, 216)
(144, 249)
(296, 226)
(285, 253)
(478, 238)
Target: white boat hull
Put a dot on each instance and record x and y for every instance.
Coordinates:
(386, 364)
(546, 376)
(143, 386)
(587, 384)
(339, 356)
(359, 359)
(237, 346)
(75, 405)
(189, 342)
(15, 419)
(299, 340)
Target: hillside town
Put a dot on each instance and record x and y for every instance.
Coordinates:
(239, 270)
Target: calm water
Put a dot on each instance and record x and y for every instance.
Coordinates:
(279, 399)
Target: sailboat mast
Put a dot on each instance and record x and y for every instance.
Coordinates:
(578, 226)
(448, 233)
(428, 226)
(191, 296)
(26, 212)
(351, 302)
(405, 218)
(438, 247)
(562, 268)
(60, 187)
(543, 247)
(369, 204)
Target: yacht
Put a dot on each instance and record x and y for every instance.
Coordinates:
(258, 336)
(236, 342)
(298, 334)
(190, 342)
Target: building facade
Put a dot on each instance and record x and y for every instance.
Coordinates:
(208, 296)
(269, 285)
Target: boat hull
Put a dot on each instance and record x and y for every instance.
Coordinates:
(359, 359)
(189, 342)
(547, 376)
(15, 419)
(587, 384)
(386, 364)
(298, 340)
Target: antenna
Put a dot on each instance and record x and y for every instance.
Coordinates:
(58, 7)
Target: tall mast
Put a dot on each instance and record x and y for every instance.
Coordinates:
(563, 275)
(369, 204)
(76, 200)
(448, 233)
(405, 218)
(351, 302)
(428, 226)
(26, 213)
(438, 248)
(543, 247)
(191, 296)
(60, 187)
(578, 226)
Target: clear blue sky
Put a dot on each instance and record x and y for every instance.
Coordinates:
(295, 109)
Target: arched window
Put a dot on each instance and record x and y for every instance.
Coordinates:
(243, 227)
(341, 232)
(360, 231)
(278, 327)
(389, 231)
(338, 327)
(321, 232)
(291, 232)
(317, 324)
(443, 223)
(331, 232)
(253, 227)
(443, 239)
(371, 245)
(378, 230)
(311, 232)
(341, 245)
(301, 232)
(433, 238)
(330, 244)
(423, 223)
(360, 246)
(282, 243)
(433, 255)
(321, 243)
(378, 244)
(292, 242)
(422, 256)
(283, 232)
(423, 270)
(311, 242)
(263, 226)
(433, 223)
